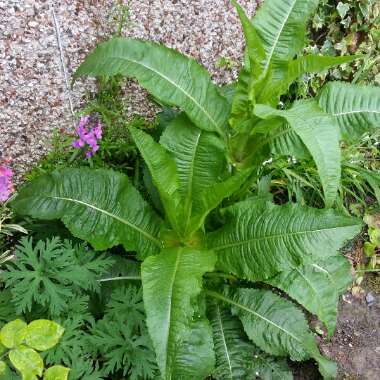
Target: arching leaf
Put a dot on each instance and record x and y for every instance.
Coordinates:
(171, 282)
(168, 75)
(276, 326)
(281, 25)
(255, 49)
(98, 206)
(261, 239)
(199, 157)
(356, 108)
(317, 286)
(314, 64)
(234, 352)
(320, 134)
(163, 170)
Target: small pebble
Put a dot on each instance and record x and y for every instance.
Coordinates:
(370, 299)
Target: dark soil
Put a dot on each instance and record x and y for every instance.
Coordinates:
(355, 345)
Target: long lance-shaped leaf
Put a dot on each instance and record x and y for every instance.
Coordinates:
(314, 64)
(210, 198)
(276, 326)
(234, 352)
(99, 206)
(262, 239)
(320, 134)
(281, 25)
(200, 160)
(195, 358)
(317, 286)
(286, 72)
(163, 170)
(171, 282)
(356, 108)
(255, 49)
(168, 75)
(236, 357)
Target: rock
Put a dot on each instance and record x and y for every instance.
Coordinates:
(370, 299)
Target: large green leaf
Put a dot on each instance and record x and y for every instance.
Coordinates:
(261, 239)
(356, 108)
(236, 357)
(317, 286)
(200, 160)
(168, 75)
(98, 206)
(195, 358)
(320, 134)
(234, 353)
(275, 325)
(210, 198)
(171, 282)
(314, 64)
(255, 49)
(163, 170)
(281, 25)
(243, 102)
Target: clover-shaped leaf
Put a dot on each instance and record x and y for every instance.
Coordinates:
(57, 372)
(27, 361)
(13, 333)
(43, 334)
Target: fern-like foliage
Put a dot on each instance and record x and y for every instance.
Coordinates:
(121, 337)
(50, 272)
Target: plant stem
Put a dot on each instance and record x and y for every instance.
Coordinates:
(134, 278)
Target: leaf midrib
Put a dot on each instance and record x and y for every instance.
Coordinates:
(169, 317)
(247, 309)
(275, 236)
(166, 78)
(356, 111)
(224, 341)
(278, 37)
(188, 201)
(116, 217)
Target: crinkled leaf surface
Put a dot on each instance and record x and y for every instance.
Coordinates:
(356, 108)
(171, 281)
(260, 240)
(317, 286)
(199, 157)
(98, 206)
(281, 25)
(234, 352)
(168, 75)
(43, 334)
(320, 134)
(275, 325)
(195, 358)
(163, 170)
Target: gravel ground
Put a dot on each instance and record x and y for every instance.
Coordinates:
(34, 96)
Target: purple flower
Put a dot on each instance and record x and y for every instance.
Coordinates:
(88, 137)
(6, 184)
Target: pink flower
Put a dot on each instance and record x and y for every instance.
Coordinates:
(88, 137)
(6, 184)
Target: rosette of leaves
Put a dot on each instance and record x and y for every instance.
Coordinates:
(20, 344)
(211, 227)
